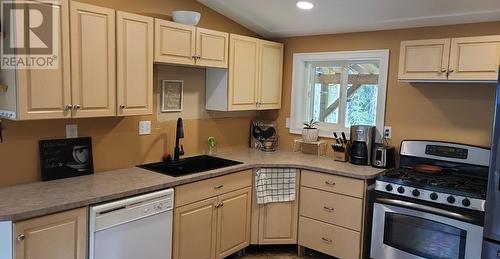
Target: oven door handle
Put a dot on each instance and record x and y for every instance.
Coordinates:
(437, 211)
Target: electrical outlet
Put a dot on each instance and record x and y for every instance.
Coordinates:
(71, 131)
(387, 132)
(287, 123)
(144, 128)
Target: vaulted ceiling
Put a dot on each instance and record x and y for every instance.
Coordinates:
(281, 18)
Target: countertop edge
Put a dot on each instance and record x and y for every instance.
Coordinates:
(194, 178)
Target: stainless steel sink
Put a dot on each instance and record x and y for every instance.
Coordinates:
(189, 165)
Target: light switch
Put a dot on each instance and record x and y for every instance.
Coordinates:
(144, 128)
(71, 131)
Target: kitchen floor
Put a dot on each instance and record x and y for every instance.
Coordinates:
(277, 252)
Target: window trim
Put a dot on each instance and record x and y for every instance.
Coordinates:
(298, 103)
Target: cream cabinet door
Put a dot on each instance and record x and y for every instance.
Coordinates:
(278, 223)
(174, 43)
(243, 73)
(271, 74)
(475, 58)
(212, 48)
(93, 60)
(424, 59)
(233, 222)
(195, 230)
(57, 236)
(46, 93)
(134, 64)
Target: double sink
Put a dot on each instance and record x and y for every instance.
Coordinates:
(189, 165)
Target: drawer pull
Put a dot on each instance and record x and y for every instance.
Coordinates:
(329, 209)
(327, 240)
(218, 187)
(330, 183)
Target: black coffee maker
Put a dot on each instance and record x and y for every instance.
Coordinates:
(362, 140)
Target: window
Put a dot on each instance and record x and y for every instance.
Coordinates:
(339, 89)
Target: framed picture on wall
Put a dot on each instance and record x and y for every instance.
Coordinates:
(172, 95)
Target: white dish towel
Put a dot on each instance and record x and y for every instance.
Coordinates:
(275, 185)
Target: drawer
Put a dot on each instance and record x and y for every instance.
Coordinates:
(333, 183)
(341, 210)
(329, 239)
(192, 192)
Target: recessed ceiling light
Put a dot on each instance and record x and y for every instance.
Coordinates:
(305, 5)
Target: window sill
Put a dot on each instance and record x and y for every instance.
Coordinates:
(323, 133)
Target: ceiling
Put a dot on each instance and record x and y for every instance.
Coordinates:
(281, 18)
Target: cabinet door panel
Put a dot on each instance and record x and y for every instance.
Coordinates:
(195, 230)
(271, 74)
(233, 222)
(212, 48)
(134, 64)
(424, 59)
(278, 223)
(174, 42)
(44, 93)
(243, 72)
(93, 60)
(58, 236)
(475, 58)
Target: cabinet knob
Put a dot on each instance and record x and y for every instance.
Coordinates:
(77, 107)
(68, 107)
(122, 106)
(20, 237)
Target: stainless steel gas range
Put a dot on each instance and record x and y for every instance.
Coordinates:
(432, 206)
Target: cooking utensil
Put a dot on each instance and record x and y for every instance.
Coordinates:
(428, 169)
(343, 137)
(336, 137)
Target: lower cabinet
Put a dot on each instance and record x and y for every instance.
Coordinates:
(275, 223)
(57, 236)
(213, 227)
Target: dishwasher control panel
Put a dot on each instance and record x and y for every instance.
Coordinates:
(120, 212)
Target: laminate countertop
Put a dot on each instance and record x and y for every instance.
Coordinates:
(42, 198)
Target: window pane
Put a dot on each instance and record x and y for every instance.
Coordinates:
(326, 93)
(362, 93)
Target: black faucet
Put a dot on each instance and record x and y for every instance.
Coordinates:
(178, 151)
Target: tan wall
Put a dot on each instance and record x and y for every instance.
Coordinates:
(115, 140)
(451, 112)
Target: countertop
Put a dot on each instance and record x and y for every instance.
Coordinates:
(42, 198)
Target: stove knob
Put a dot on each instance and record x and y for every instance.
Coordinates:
(415, 193)
(451, 199)
(466, 202)
(434, 196)
(388, 188)
(401, 189)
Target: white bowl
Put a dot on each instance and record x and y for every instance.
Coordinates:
(186, 17)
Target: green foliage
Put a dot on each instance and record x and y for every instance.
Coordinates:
(310, 124)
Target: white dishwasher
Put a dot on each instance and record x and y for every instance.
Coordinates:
(132, 228)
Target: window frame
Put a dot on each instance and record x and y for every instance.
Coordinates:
(298, 110)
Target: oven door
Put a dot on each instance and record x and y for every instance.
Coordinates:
(407, 230)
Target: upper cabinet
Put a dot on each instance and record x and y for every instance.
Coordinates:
(456, 59)
(134, 56)
(253, 80)
(104, 68)
(475, 58)
(177, 43)
(243, 73)
(174, 43)
(40, 93)
(212, 48)
(271, 74)
(93, 60)
(424, 59)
